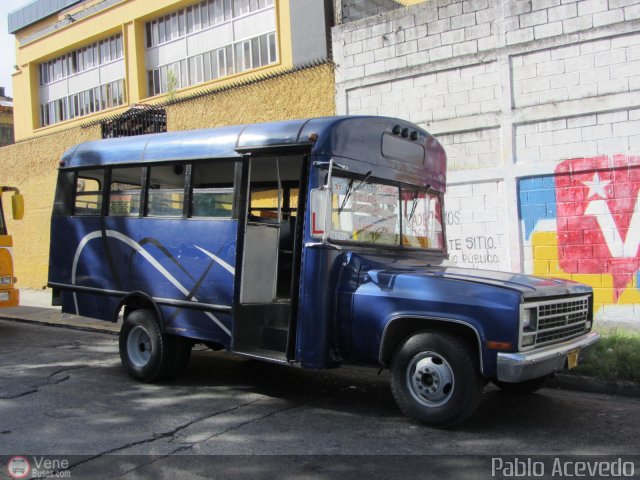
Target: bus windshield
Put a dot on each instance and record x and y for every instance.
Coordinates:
(372, 212)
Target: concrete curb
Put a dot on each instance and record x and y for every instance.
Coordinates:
(565, 381)
(58, 320)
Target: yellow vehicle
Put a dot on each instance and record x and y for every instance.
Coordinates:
(9, 295)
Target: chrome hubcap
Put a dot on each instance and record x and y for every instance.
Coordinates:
(430, 379)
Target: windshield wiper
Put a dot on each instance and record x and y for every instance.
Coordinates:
(350, 190)
(415, 204)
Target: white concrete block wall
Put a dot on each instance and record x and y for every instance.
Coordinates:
(607, 133)
(514, 89)
(476, 236)
(588, 69)
(472, 150)
(445, 94)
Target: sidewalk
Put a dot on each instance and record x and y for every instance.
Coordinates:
(35, 307)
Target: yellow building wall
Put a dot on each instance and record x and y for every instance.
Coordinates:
(128, 18)
(301, 94)
(31, 165)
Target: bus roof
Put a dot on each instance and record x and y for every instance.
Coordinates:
(392, 144)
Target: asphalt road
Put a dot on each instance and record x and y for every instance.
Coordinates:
(63, 394)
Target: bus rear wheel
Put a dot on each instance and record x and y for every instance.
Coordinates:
(146, 353)
(435, 379)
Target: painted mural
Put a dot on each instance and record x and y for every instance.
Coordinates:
(583, 223)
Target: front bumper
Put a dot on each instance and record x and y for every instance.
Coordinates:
(521, 366)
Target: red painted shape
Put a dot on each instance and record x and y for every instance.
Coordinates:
(314, 231)
(596, 199)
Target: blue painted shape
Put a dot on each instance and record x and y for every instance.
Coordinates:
(541, 197)
(534, 211)
(528, 184)
(537, 197)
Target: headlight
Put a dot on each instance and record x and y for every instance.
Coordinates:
(529, 319)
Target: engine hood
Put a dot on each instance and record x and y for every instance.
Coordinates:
(528, 286)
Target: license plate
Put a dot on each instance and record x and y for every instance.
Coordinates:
(572, 358)
(4, 296)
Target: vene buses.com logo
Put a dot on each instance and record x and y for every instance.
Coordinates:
(18, 467)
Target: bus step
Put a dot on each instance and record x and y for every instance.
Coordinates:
(274, 338)
(262, 354)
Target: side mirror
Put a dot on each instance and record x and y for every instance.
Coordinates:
(319, 201)
(17, 206)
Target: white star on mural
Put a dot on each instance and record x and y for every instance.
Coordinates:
(597, 186)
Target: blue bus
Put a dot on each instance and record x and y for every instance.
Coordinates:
(313, 243)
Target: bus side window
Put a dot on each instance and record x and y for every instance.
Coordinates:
(88, 198)
(165, 195)
(212, 194)
(125, 191)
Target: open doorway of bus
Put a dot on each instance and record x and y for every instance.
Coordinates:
(9, 295)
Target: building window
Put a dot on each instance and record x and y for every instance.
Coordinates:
(197, 17)
(6, 134)
(82, 59)
(138, 120)
(89, 101)
(241, 56)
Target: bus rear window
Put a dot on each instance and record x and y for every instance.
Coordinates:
(88, 199)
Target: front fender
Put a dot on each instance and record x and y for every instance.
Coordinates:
(399, 327)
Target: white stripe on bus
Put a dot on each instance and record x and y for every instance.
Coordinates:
(138, 248)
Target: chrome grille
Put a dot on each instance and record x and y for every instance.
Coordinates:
(557, 320)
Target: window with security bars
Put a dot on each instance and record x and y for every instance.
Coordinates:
(139, 120)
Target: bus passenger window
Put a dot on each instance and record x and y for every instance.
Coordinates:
(125, 191)
(212, 202)
(88, 200)
(166, 191)
(212, 195)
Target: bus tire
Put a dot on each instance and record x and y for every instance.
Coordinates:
(435, 379)
(146, 353)
(522, 388)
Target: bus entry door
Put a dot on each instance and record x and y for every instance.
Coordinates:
(260, 263)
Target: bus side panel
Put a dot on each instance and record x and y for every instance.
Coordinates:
(168, 259)
(198, 325)
(90, 305)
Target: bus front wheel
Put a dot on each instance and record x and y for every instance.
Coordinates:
(146, 353)
(435, 379)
